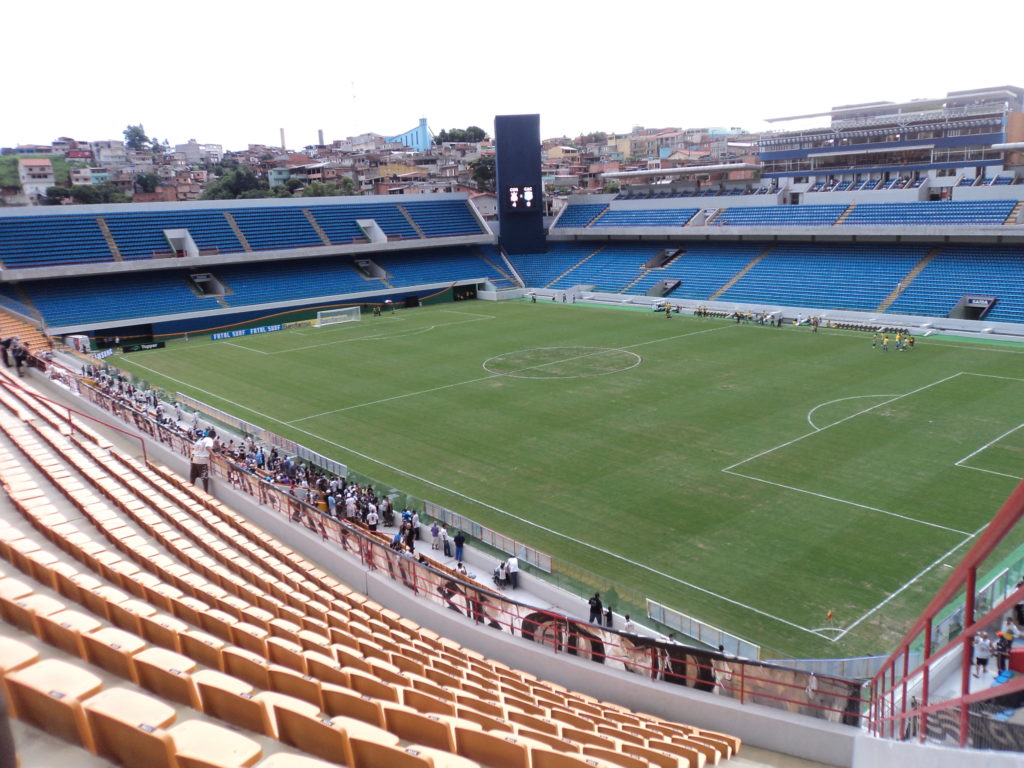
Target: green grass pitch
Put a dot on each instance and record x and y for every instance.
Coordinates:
(752, 477)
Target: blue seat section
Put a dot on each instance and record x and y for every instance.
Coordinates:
(443, 218)
(959, 269)
(646, 217)
(49, 241)
(10, 299)
(611, 269)
(703, 268)
(339, 221)
(490, 251)
(139, 234)
(273, 228)
(292, 279)
(836, 276)
(539, 269)
(109, 298)
(434, 265)
(781, 215)
(579, 215)
(938, 212)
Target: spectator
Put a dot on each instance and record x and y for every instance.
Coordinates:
(460, 544)
(513, 571)
(435, 536)
(596, 608)
(446, 543)
(628, 625)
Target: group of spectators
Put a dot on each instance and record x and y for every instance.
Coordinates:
(14, 352)
(986, 647)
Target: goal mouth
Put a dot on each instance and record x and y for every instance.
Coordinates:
(340, 315)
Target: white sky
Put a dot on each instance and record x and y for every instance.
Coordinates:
(234, 73)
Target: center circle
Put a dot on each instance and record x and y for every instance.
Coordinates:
(562, 362)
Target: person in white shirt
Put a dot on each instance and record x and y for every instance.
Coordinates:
(200, 466)
(513, 571)
(629, 626)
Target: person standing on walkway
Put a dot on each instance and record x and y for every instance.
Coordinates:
(513, 571)
(596, 608)
(460, 544)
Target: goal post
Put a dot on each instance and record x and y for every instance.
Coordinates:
(341, 315)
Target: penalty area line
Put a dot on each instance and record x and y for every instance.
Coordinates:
(484, 504)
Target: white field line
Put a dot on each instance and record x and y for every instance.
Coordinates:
(845, 419)
(850, 503)
(603, 350)
(247, 349)
(990, 471)
(915, 579)
(990, 443)
(992, 376)
(373, 337)
(810, 413)
(498, 510)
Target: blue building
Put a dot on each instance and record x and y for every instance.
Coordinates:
(418, 138)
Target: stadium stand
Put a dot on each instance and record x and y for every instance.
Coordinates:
(960, 269)
(785, 215)
(932, 213)
(836, 275)
(28, 241)
(581, 214)
(655, 217)
(275, 228)
(154, 548)
(141, 235)
(435, 265)
(443, 218)
(339, 221)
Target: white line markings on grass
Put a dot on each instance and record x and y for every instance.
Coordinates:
(914, 580)
(500, 511)
(495, 376)
(810, 413)
(891, 399)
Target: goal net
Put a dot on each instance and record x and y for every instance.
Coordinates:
(343, 315)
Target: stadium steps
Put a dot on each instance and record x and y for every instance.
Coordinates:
(645, 272)
(13, 326)
(1014, 216)
(109, 237)
(906, 281)
(584, 260)
(237, 230)
(709, 221)
(409, 219)
(596, 219)
(495, 267)
(846, 213)
(739, 275)
(316, 227)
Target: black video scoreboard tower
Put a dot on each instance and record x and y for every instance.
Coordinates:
(520, 204)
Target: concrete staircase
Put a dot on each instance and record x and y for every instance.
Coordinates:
(237, 230)
(907, 280)
(109, 237)
(739, 275)
(316, 227)
(847, 212)
(584, 260)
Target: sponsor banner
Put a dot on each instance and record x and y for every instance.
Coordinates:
(246, 332)
(140, 347)
(298, 324)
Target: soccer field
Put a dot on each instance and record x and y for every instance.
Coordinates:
(752, 477)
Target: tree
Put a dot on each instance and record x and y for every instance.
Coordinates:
(91, 194)
(146, 182)
(56, 195)
(472, 134)
(330, 189)
(484, 173)
(237, 183)
(135, 138)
